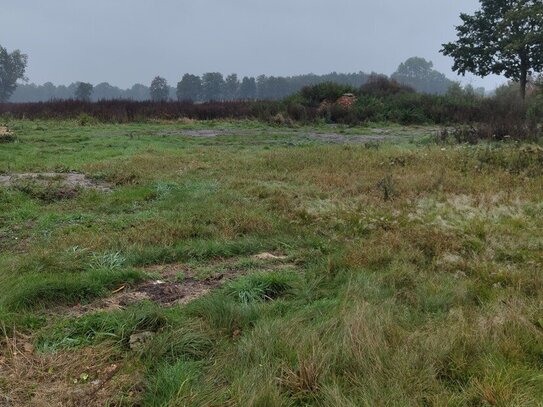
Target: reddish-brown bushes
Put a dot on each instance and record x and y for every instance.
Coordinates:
(121, 111)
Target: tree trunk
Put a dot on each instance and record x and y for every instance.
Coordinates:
(523, 83)
(523, 76)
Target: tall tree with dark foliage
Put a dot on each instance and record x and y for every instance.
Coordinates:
(159, 90)
(84, 91)
(247, 89)
(213, 86)
(231, 87)
(505, 37)
(189, 88)
(12, 68)
(420, 74)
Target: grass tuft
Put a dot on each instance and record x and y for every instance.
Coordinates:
(260, 287)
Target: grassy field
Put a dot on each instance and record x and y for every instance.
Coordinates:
(236, 264)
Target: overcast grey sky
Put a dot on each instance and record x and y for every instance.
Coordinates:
(127, 41)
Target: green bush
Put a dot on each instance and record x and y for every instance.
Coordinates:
(383, 100)
(535, 110)
(328, 91)
(381, 85)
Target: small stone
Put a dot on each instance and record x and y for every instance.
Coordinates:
(110, 369)
(269, 256)
(460, 274)
(138, 340)
(452, 258)
(28, 348)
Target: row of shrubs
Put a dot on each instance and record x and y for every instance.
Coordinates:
(404, 109)
(123, 111)
(407, 108)
(379, 100)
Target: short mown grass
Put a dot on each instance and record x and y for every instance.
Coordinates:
(413, 271)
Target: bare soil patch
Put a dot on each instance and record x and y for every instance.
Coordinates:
(69, 180)
(193, 133)
(337, 138)
(165, 291)
(170, 289)
(372, 135)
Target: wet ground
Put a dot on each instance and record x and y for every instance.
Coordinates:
(337, 136)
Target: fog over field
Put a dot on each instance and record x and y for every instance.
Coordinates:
(271, 203)
(129, 41)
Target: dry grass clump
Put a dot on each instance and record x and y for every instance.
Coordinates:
(186, 121)
(90, 376)
(6, 135)
(302, 382)
(363, 353)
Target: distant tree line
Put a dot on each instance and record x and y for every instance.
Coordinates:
(214, 86)
(209, 86)
(103, 91)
